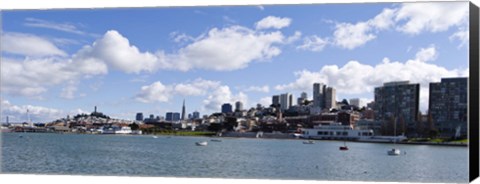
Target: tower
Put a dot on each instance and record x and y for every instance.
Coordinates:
(183, 110)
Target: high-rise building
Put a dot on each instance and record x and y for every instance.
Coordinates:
(357, 102)
(448, 103)
(276, 100)
(399, 100)
(286, 101)
(226, 108)
(183, 110)
(172, 116)
(238, 106)
(318, 95)
(139, 116)
(330, 98)
(196, 115)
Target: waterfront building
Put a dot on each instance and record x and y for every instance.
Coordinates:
(276, 100)
(139, 116)
(238, 106)
(348, 117)
(448, 103)
(397, 100)
(226, 108)
(172, 116)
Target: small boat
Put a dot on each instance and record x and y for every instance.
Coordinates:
(216, 140)
(394, 152)
(155, 137)
(309, 142)
(344, 147)
(203, 143)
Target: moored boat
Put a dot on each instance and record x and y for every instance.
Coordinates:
(309, 142)
(203, 143)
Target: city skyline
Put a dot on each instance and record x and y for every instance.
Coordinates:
(216, 55)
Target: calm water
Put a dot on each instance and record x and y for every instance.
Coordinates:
(231, 158)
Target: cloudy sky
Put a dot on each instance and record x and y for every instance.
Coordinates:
(63, 62)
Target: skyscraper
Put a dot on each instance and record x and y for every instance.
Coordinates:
(183, 110)
(397, 100)
(238, 106)
(330, 98)
(448, 103)
(318, 95)
(226, 108)
(139, 116)
(285, 101)
(196, 115)
(275, 100)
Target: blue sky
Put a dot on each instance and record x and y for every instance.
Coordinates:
(128, 60)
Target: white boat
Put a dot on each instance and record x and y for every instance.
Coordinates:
(394, 152)
(335, 131)
(203, 143)
(309, 142)
(155, 137)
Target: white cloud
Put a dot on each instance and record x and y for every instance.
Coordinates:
(261, 7)
(357, 78)
(181, 37)
(68, 92)
(223, 95)
(462, 35)
(66, 27)
(350, 36)
(156, 92)
(383, 20)
(32, 77)
(313, 43)
(273, 22)
(431, 17)
(426, 54)
(265, 101)
(226, 49)
(410, 18)
(116, 51)
(37, 113)
(263, 89)
(294, 37)
(29, 45)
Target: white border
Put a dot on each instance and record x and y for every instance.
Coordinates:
(76, 4)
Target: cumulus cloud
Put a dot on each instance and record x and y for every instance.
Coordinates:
(350, 36)
(216, 94)
(357, 78)
(33, 77)
(116, 51)
(158, 92)
(223, 95)
(29, 45)
(226, 49)
(265, 101)
(440, 16)
(273, 22)
(17, 113)
(409, 18)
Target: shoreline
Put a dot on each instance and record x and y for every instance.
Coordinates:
(276, 136)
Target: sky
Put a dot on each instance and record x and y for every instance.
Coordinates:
(127, 60)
